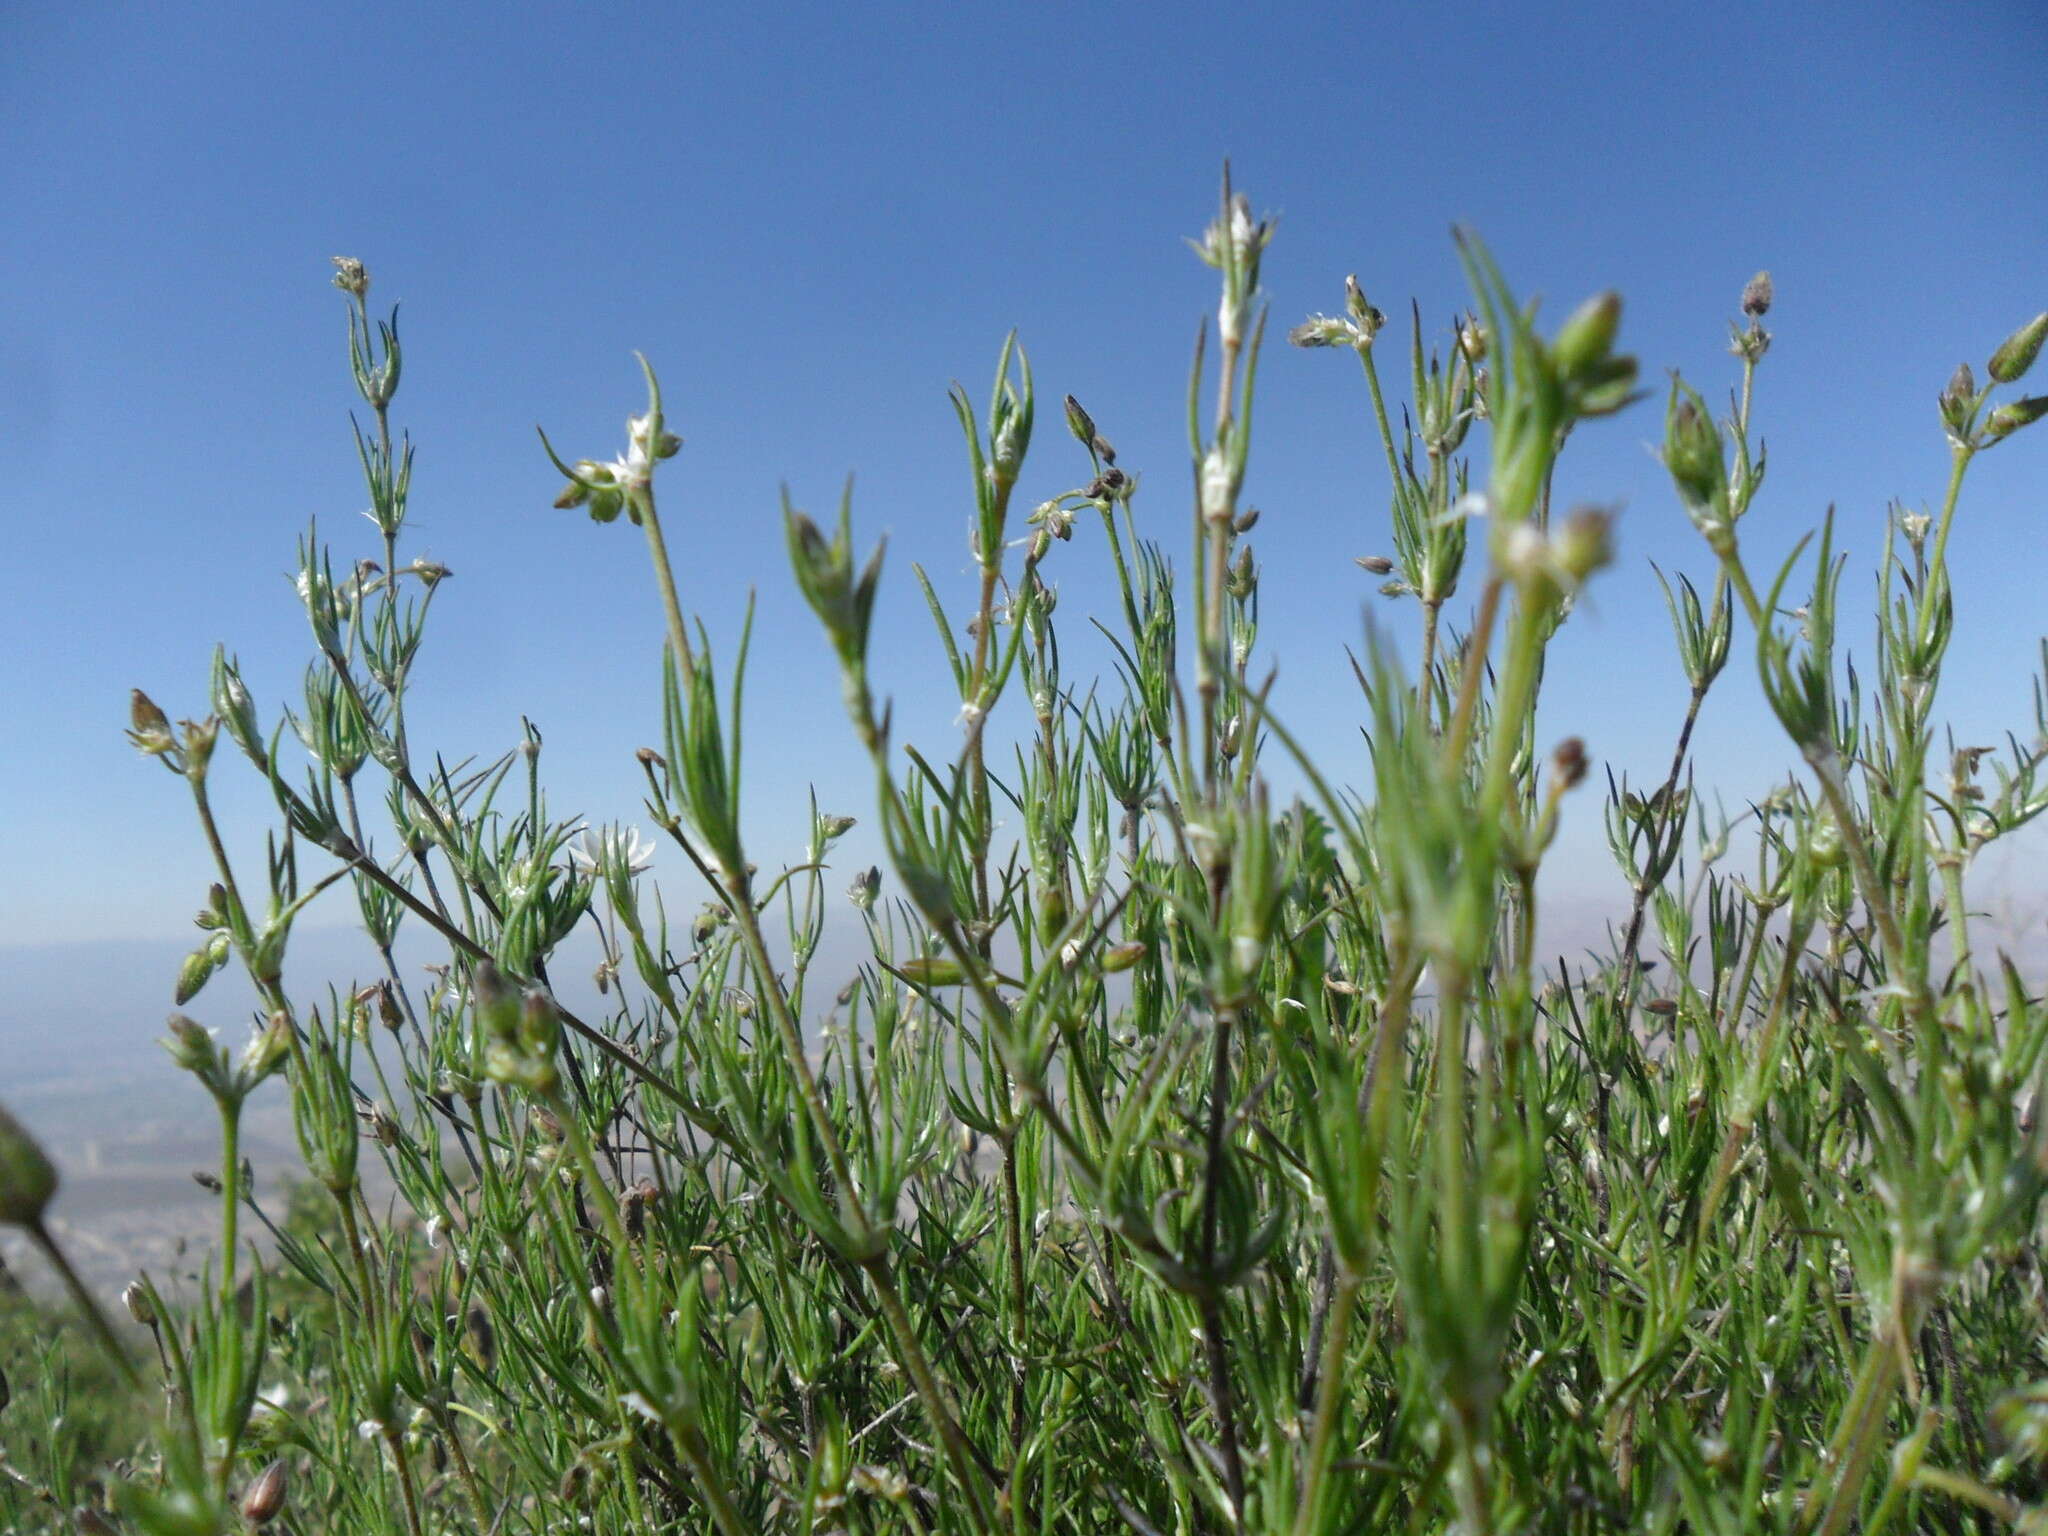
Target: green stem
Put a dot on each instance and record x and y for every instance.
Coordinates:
(230, 1187)
(1330, 1386)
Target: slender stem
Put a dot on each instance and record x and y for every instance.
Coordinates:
(408, 1495)
(959, 1453)
(1631, 966)
(1959, 462)
(230, 1188)
(1470, 671)
(1330, 1384)
(665, 580)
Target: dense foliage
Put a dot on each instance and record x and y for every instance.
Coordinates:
(1198, 1164)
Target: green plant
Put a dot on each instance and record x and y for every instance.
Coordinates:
(1196, 1163)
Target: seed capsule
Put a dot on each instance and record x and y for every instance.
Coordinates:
(264, 1499)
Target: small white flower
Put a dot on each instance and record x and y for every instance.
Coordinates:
(1216, 486)
(600, 848)
(1471, 504)
(638, 1403)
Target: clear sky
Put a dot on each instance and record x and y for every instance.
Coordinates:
(812, 218)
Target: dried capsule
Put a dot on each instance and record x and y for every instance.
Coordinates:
(1757, 294)
(263, 1500)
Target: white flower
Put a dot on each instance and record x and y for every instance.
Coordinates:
(1471, 504)
(633, 469)
(1216, 486)
(603, 848)
(1241, 229)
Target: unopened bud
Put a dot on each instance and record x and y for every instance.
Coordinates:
(932, 971)
(1377, 565)
(1472, 339)
(149, 727)
(1242, 576)
(1757, 294)
(1368, 319)
(2013, 415)
(1121, 957)
(862, 891)
(190, 1044)
(1962, 385)
(1080, 423)
(1247, 520)
(135, 1297)
(27, 1178)
(2016, 354)
(1585, 543)
(540, 1022)
(1588, 335)
(496, 1003)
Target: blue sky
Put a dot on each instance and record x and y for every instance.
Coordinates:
(812, 219)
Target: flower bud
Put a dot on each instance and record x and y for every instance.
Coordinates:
(135, 1297)
(1757, 294)
(263, 1500)
(190, 1044)
(540, 1023)
(1121, 957)
(862, 891)
(1585, 543)
(1247, 520)
(2013, 415)
(932, 971)
(1693, 453)
(149, 727)
(2016, 354)
(1472, 339)
(1367, 319)
(497, 1005)
(1243, 576)
(1080, 423)
(198, 969)
(27, 1179)
(1962, 385)
(1377, 565)
(1588, 336)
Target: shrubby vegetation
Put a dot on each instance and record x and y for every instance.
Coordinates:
(1196, 1164)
